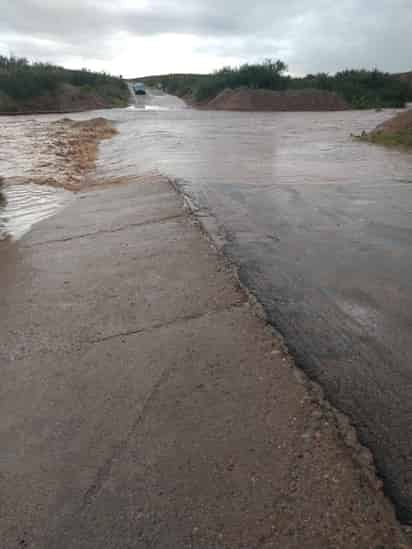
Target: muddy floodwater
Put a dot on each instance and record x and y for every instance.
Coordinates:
(23, 205)
(25, 157)
(319, 225)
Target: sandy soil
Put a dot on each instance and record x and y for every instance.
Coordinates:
(243, 99)
(399, 123)
(396, 131)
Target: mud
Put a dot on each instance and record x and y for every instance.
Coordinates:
(399, 123)
(396, 131)
(244, 99)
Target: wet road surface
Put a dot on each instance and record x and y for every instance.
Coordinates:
(321, 228)
(143, 403)
(23, 205)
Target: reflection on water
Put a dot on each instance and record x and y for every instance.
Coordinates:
(21, 206)
(253, 149)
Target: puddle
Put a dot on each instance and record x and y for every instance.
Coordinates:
(21, 206)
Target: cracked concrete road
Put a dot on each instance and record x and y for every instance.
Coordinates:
(144, 403)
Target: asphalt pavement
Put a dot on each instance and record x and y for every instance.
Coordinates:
(332, 265)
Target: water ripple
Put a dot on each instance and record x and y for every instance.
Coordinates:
(21, 206)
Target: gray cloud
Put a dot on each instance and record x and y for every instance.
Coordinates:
(311, 36)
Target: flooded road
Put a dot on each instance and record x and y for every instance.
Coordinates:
(26, 157)
(21, 206)
(321, 228)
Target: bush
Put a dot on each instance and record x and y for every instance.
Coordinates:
(7, 104)
(361, 89)
(267, 75)
(22, 81)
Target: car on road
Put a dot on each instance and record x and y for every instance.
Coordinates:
(139, 88)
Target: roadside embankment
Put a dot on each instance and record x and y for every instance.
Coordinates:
(396, 131)
(27, 87)
(147, 403)
(245, 99)
(68, 99)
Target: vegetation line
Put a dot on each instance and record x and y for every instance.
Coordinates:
(42, 87)
(361, 89)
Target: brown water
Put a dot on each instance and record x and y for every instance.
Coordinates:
(21, 206)
(251, 148)
(202, 149)
(25, 157)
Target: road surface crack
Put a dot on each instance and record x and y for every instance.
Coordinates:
(104, 471)
(106, 231)
(157, 326)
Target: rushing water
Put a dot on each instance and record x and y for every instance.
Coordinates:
(204, 150)
(21, 206)
(250, 148)
(24, 155)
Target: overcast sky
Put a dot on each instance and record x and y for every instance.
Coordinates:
(140, 37)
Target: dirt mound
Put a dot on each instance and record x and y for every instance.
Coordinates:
(95, 128)
(395, 131)
(405, 76)
(399, 123)
(245, 99)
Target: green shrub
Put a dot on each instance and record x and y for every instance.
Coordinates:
(7, 104)
(22, 81)
(362, 89)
